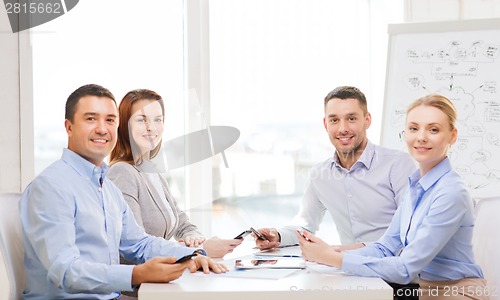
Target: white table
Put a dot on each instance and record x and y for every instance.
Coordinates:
(309, 283)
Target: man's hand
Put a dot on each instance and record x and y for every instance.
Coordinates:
(159, 270)
(217, 247)
(272, 236)
(206, 264)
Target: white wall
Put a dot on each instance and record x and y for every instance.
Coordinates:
(16, 135)
(442, 10)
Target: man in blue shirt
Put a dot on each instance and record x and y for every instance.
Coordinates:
(76, 223)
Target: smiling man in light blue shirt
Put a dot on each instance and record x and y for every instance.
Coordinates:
(76, 223)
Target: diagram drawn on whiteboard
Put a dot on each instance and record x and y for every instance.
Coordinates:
(465, 67)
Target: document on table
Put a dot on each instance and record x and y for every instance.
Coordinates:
(285, 251)
(255, 273)
(323, 269)
(270, 263)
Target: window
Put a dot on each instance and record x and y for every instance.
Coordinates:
(121, 45)
(271, 64)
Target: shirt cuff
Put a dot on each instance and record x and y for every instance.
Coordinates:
(349, 262)
(287, 236)
(120, 276)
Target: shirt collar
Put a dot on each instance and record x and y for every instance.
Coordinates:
(432, 176)
(82, 166)
(365, 158)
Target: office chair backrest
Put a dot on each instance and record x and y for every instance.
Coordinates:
(486, 242)
(11, 248)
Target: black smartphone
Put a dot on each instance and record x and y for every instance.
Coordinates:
(258, 234)
(243, 234)
(186, 257)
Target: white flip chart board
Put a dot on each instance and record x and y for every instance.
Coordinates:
(461, 60)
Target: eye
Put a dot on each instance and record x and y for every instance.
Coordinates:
(140, 120)
(434, 130)
(334, 120)
(158, 120)
(412, 128)
(90, 119)
(352, 119)
(111, 120)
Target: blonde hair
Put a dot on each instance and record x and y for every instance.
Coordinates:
(440, 102)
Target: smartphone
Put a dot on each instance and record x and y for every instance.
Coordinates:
(186, 257)
(258, 234)
(243, 234)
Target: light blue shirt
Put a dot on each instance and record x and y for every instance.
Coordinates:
(74, 231)
(361, 200)
(433, 228)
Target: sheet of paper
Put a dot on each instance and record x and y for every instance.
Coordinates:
(323, 269)
(293, 251)
(260, 273)
(270, 263)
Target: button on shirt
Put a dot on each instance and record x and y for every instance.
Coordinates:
(75, 226)
(361, 201)
(433, 228)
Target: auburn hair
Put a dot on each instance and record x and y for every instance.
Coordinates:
(124, 149)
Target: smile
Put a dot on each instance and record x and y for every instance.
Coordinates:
(422, 149)
(344, 139)
(100, 141)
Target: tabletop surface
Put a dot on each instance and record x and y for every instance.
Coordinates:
(313, 282)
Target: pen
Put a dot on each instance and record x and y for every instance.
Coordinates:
(284, 246)
(303, 228)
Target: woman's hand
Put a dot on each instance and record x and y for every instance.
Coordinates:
(192, 241)
(217, 247)
(315, 249)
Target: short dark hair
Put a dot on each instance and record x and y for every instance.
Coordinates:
(348, 92)
(85, 90)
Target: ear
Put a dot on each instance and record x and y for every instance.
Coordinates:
(368, 120)
(454, 135)
(69, 127)
(325, 123)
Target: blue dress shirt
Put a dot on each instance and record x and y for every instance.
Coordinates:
(361, 200)
(432, 231)
(75, 226)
